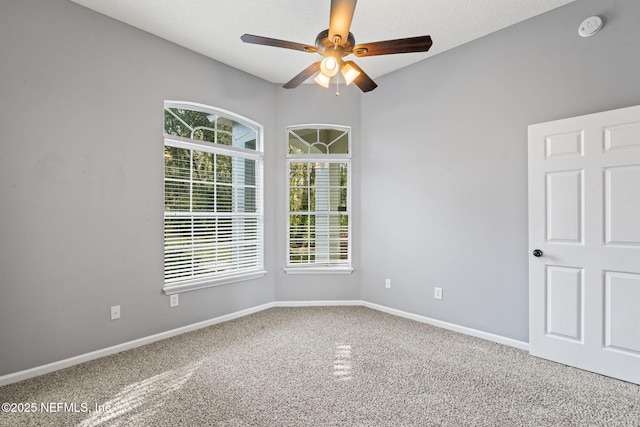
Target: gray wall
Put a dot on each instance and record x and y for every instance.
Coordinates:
(81, 193)
(444, 160)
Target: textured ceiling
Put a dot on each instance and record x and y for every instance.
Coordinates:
(213, 27)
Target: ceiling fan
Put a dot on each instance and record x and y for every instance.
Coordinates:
(337, 42)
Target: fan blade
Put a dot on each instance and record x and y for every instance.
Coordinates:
(266, 41)
(363, 81)
(411, 44)
(340, 19)
(304, 75)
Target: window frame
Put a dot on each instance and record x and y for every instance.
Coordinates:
(319, 268)
(227, 276)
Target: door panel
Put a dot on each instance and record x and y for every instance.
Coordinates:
(622, 137)
(564, 304)
(565, 145)
(564, 207)
(584, 216)
(622, 221)
(621, 318)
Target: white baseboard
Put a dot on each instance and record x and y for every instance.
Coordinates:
(76, 360)
(451, 326)
(326, 303)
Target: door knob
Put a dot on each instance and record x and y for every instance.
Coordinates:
(537, 253)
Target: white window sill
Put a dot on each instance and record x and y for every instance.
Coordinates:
(318, 270)
(207, 283)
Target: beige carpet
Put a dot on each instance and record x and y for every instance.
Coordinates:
(327, 366)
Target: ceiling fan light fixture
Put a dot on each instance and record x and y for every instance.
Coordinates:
(329, 66)
(336, 42)
(323, 80)
(349, 73)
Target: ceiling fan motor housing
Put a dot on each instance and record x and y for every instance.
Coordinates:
(327, 46)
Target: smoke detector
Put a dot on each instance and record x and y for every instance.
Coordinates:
(590, 26)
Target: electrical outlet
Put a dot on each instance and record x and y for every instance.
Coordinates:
(387, 283)
(174, 300)
(437, 293)
(115, 312)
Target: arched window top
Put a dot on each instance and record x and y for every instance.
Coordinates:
(203, 123)
(318, 139)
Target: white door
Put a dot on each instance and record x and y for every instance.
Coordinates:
(584, 219)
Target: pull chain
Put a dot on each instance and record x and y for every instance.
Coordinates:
(337, 40)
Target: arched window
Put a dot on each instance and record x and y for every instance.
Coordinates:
(319, 199)
(213, 215)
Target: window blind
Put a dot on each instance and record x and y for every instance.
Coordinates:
(212, 211)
